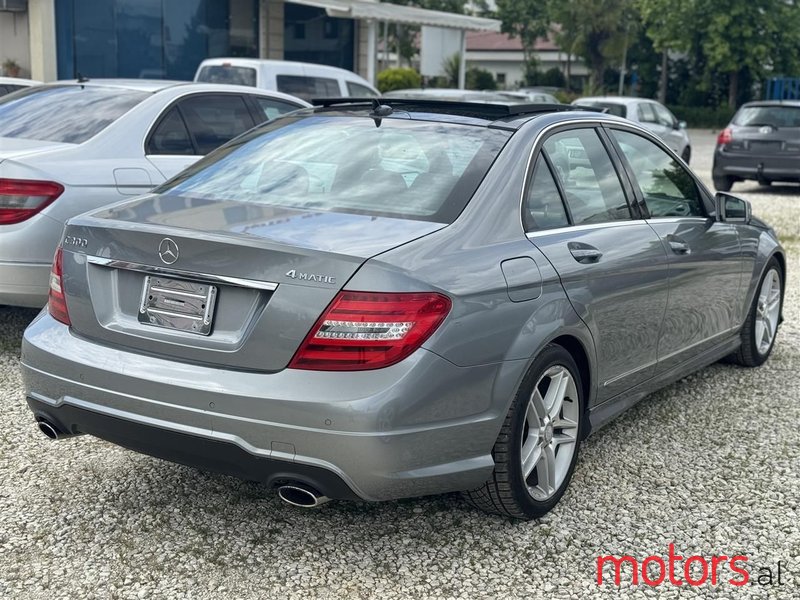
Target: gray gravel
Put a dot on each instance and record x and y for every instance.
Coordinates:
(711, 464)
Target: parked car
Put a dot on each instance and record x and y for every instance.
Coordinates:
(13, 84)
(761, 143)
(304, 80)
(535, 96)
(70, 147)
(389, 301)
(649, 114)
(455, 95)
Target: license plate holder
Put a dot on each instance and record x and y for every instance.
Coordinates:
(178, 304)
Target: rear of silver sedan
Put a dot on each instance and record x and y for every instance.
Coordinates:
(224, 333)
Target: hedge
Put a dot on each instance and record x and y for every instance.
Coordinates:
(704, 117)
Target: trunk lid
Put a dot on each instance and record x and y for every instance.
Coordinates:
(274, 270)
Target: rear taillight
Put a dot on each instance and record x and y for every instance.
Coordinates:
(20, 199)
(725, 137)
(57, 303)
(366, 330)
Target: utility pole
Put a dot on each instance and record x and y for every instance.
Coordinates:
(623, 66)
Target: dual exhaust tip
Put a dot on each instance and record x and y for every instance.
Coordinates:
(296, 493)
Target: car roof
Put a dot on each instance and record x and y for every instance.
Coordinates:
(270, 62)
(501, 115)
(161, 85)
(622, 100)
(18, 81)
(790, 103)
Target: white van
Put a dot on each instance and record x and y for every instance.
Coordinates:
(304, 80)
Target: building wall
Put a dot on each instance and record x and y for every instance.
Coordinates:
(511, 63)
(14, 42)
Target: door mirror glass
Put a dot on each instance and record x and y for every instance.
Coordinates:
(731, 209)
(682, 125)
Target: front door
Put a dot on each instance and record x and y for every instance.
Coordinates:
(611, 263)
(704, 255)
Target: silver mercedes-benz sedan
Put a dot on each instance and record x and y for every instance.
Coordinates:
(406, 298)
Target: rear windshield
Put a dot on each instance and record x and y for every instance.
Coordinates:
(308, 87)
(773, 116)
(70, 114)
(612, 108)
(227, 74)
(404, 168)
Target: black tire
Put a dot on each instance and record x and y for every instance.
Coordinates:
(748, 354)
(687, 154)
(506, 492)
(723, 183)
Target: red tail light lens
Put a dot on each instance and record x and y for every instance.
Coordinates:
(57, 303)
(725, 137)
(365, 330)
(20, 199)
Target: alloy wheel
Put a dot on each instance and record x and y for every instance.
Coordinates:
(550, 432)
(767, 311)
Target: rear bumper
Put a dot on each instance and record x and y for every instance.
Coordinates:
(421, 427)
(24, 284)
(768, 167)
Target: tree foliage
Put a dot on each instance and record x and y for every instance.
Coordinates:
(398, 79)
(527, 20)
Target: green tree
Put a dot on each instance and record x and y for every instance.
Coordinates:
(595, 30)
(737, 40)
(398, 79)
(527, 20)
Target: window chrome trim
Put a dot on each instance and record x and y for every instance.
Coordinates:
(192, 275)
(584, 227)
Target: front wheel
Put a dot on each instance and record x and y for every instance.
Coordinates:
(536, 450)
(686, 155)
(761, 326)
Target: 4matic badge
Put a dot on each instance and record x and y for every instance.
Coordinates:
(295, 274)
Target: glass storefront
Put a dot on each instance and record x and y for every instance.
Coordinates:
(310, 35)
(154, 39)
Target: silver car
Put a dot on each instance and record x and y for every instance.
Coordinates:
(72, 146)
(410, 298)
(651, 115)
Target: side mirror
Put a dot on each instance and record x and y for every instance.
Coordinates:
(731, 209)
(679, 125)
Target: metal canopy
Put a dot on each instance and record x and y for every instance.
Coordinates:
(396, 13)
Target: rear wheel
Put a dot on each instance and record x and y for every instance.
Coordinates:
(723, 183)
(536, 450)
(761, 326)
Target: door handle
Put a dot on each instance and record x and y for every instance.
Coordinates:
(678, 246)
(584, 253)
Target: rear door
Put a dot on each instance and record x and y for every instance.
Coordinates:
(611, 263)
(703, 254)
(193, 127)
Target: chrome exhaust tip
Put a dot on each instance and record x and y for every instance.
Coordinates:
(48, 429)
(301, 496)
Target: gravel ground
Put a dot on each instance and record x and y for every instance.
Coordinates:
(710, 463)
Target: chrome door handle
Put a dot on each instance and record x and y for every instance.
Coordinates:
(679, 247)
(584, 253)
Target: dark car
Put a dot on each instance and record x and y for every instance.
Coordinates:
(761, 143)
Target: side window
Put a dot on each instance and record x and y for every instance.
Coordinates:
(543, 207)
(646, 113)
(308, 87)
(170, 136)
(215, 119)
(668, 188)
(587, 176)
(664, 116)
(356, 90)
(274, 108)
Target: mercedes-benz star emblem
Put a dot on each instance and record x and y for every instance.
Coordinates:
(168, 251)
